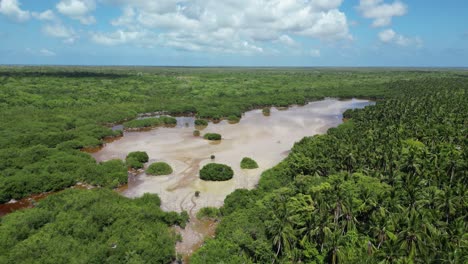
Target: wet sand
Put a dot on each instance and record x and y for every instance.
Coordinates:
(266, 139)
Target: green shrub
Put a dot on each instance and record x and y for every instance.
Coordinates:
(196, 133)
(216, 172)
(212, 136)
(201, 122)
(159, 168)
(135, 160)
(266, 111)
(232, 119)
(208, 212)
(248, 163)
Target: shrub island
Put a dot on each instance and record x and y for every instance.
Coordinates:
(248, 163)
(159, 168)
(216, 172)
(212, 136)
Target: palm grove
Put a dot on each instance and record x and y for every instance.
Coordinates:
(388, 185)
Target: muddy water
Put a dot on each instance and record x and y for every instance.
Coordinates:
(267, 139)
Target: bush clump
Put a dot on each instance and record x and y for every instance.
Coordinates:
(266, 111)
(248, 163)
(212, 136)
(196, 133)
(201, 122)
(151, 122)
(209, 212)
(216, 172)
(136, 159)
(232, 119)
(159, 168)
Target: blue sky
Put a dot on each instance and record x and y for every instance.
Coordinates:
(235, 32)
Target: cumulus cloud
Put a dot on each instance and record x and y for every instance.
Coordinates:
(390, 36)
(381, 13)
(12, 10)
(58, 30)
(226, 26)
(287, 40)
(47, 15)
(78, 10)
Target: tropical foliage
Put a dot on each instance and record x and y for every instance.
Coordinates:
(248, 163)
(216, 172)
(387, 186)
(212, 136)
(159, 168)
(96, 226)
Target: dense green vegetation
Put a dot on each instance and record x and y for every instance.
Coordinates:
(151, 122)
(63, 109)
(201, 122)
(387, 186)
(212, 136)
(208, 212)
(96, 226)
(216, 172)
(159, 168)
(232, 119)
(136, 159)
(248, 163)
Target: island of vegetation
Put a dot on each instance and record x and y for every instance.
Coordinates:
(136, 159)
(212, 136)
(201, 122)
(248, 163)
(266, 111)
(150, 122)
(159, 168)
(216, 172)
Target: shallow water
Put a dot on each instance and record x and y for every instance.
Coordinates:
(266, 139)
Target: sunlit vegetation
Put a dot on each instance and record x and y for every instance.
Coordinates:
(212, 136)
(248, 163)
(232, 119)
(388, 186)
(159, 168)
(96, 226)
(196, 133)
(216, 172)
(201, 122)
(151, 122)
(136, 159)
(208, 212)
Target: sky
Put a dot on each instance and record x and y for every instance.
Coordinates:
(355, 33)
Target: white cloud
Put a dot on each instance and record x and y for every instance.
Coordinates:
(229, 26)
(47, 15)
(47, 53)
(78, 10)
(118, 37)
(391, 37)
(381, 12)
(287, 40)
(12, 10)
(58, 30)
